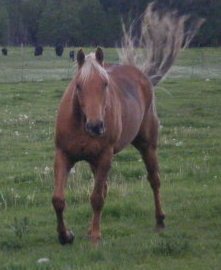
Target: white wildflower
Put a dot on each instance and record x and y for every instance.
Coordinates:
(46, 170)
(43, 260)
(179, 143)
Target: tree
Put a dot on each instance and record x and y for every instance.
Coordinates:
(59, 23)
(31, 15)
(16, 32)
(93, 23)
(4, 26)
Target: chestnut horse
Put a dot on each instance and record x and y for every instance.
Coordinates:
(104, 109)
(107, 107)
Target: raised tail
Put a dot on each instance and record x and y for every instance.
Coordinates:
(162, 36)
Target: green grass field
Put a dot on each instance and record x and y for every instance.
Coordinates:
(189, 152)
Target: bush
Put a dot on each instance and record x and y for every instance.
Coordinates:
(4, 51)
(71, 55)
(59, 50)
(38, 50)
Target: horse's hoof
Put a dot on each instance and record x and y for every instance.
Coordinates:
(160, 226)
(95, 241)
(94, 238)
(66, 238)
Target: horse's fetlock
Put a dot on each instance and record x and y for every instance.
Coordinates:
(160, 219)
(58, 203)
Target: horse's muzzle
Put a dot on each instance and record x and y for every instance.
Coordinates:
(95, 129)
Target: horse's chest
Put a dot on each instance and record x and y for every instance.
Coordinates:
(82, 148)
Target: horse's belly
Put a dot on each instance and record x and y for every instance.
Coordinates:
(130, 127)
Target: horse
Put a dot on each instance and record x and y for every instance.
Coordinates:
(105, 108)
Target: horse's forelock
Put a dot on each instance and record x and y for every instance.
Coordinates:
(90, 67)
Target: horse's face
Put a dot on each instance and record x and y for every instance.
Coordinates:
(92, 97)
(92, 91)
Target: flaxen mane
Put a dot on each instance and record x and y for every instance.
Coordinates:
(90, 67)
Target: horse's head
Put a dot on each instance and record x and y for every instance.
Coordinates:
(92, 90)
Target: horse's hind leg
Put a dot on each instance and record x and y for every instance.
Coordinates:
(146, 143)
(150, 160)
(61, 169)
(100, 169)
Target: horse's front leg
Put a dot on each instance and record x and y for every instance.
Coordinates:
(62, 167)
(100, 169)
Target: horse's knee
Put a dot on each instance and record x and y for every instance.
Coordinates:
(58, 203)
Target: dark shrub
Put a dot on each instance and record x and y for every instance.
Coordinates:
(38, 50)
(4, 51)
(59, 50)
(71, 55)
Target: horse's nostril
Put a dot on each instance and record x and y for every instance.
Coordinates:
(88, 126)
(95, 129)
(101, 125)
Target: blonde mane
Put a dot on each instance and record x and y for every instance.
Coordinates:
(90, 67)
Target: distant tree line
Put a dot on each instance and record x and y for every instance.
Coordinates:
(93, 22)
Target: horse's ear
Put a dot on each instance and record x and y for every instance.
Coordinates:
(99, 56)
(80, 58)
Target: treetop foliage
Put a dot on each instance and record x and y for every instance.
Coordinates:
(93, 22)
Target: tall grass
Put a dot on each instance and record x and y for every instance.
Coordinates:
(189, 153)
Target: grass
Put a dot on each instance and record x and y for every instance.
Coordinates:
(21, 65)
(189, 153)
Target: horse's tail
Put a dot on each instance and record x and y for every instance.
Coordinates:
(162, 36)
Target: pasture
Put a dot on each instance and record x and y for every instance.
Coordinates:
(188, 104)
